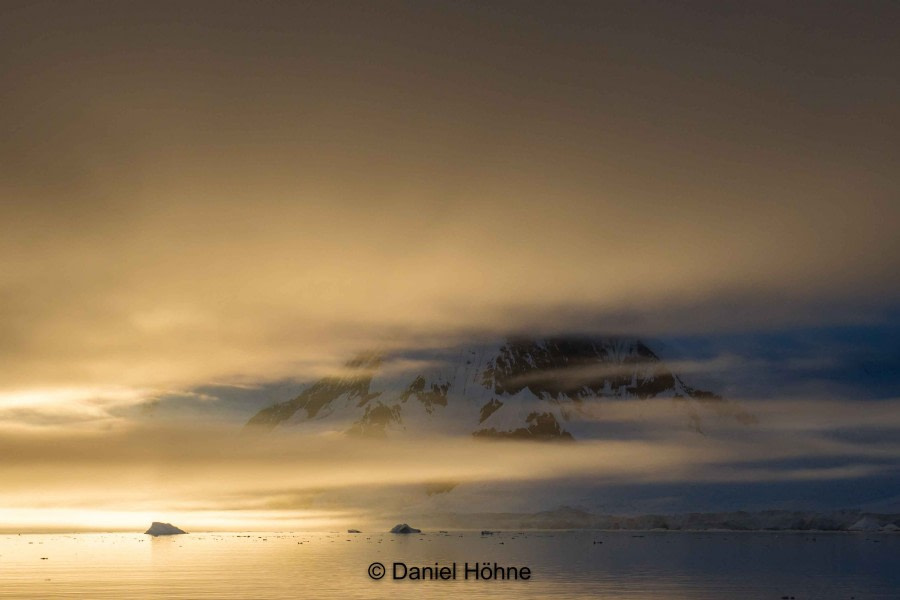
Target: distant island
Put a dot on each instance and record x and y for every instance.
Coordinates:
(767, 520)
(158, 528)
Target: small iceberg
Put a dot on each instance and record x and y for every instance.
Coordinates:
(354, 531)
(158, 528)
(404, 528)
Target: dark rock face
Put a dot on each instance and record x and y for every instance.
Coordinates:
(375, 419)
(323, 392)
(488, 409)
(157, 528)
(541, 426)
(435, 395)
(404, 528)
(578, 368)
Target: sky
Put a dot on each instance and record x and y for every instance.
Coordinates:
(207, 204)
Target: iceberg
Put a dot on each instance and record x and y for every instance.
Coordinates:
(404, 528)
(158, 528)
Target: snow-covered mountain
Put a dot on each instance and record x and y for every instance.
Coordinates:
(552, 388)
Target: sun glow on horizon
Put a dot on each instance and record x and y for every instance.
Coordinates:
(37, 520)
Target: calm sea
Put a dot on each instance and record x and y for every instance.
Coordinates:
(571, 564)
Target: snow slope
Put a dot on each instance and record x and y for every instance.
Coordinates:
(523, 388)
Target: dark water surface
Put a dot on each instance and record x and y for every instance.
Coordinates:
(570, 564)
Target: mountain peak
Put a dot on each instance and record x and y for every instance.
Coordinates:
(517, 388)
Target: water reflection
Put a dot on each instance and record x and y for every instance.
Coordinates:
(580, 564)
